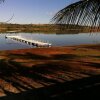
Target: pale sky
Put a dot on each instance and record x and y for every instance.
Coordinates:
(31, 11)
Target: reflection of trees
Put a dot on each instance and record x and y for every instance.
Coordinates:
(84, 12)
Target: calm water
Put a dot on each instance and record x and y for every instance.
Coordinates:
(55, 39)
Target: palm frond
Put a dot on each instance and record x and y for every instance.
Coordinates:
(84, 12)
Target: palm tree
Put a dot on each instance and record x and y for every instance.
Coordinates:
(83, 12)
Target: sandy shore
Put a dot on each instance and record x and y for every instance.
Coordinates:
(31, 69)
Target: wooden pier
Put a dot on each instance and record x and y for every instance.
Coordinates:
(29, 41)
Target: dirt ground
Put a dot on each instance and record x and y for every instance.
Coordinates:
(42, 68)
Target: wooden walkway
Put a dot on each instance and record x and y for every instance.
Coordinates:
(29, 41)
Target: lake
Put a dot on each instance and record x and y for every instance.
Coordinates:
(53, 38)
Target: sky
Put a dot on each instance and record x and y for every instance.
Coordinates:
(31, 11)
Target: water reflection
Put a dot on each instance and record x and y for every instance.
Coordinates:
(56, 39)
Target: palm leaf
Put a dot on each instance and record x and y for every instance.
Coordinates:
(83, 12)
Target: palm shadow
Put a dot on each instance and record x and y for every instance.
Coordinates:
(53, 87)
(77, 89)
(42, 57)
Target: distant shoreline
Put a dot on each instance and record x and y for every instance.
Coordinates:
(46, 28)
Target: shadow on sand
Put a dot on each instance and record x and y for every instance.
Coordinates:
(52, 87)
(77, 89)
